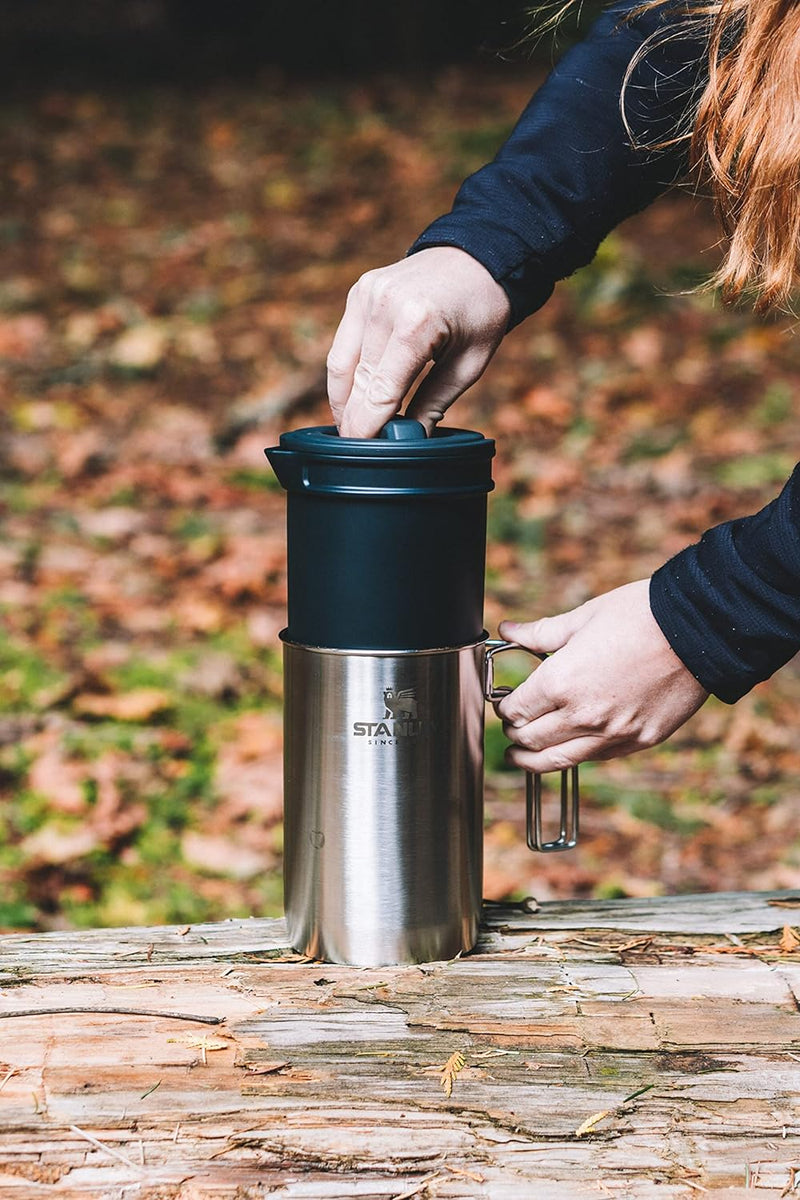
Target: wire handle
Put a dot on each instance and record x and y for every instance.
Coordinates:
(570, 790)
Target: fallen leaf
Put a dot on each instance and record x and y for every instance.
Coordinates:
(139, 705)
(50, 844)
(216, 675)
(54, 775)
(113, 522)
(222, 855)
(22, 337)
(449, 1072)
(203, 1042)
(789, 940)
(140, 348)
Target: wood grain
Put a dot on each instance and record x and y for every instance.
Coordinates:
(676, 1019)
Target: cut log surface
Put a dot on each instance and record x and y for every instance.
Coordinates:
(642, 1049)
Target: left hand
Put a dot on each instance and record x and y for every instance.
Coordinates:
(613, 686)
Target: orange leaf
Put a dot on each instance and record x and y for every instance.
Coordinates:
(789, 940)
(449, 1072)
(138, 705)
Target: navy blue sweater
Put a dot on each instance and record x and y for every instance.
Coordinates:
(570, 171)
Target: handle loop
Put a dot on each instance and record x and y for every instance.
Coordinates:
(570, 790)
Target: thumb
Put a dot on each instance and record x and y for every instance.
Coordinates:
(548, 633)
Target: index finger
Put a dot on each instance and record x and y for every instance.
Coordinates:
(378, 392)
(344, 354)
(528, 701)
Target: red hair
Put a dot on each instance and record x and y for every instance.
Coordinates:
(745, 141)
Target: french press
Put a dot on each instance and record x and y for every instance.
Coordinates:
(387, 668)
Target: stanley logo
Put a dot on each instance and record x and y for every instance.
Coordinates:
(400, 719)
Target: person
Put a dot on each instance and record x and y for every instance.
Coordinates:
(655, 92)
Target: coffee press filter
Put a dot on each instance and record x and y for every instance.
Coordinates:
(386, 536)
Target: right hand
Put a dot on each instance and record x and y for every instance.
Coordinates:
(438, 305)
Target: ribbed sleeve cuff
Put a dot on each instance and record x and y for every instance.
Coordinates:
(730, 604)
(527, 286)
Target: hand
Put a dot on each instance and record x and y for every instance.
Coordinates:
(613, 686)
(438, 305)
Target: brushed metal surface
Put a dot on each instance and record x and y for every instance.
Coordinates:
(383, 760)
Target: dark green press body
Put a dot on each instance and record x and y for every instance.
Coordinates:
(386, 536)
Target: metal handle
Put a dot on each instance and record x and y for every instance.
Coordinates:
(570, 791)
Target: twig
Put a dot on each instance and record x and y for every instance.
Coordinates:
(102, 1146)
(465, 1174)
(301, 389)
(7, 1076)
(104, 1008)
(418, 1187)
(637, 944)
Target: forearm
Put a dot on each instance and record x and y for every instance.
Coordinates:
(730, 605)
(569, 173)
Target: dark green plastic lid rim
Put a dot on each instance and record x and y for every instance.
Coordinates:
(323, 441)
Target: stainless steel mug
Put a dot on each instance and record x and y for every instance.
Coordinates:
(383, 800)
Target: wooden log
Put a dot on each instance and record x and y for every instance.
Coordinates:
(622, 1048)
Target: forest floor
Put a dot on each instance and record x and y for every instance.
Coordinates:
(175, 263)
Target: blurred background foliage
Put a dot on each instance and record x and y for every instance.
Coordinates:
(189, 191)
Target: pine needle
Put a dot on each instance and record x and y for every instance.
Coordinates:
(595, 1119)
(105, 1149)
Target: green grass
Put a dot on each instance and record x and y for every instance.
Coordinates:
(256, 479)
(463, 151)
(755, 470)
(506, 525)
(495, 746)
(653, 443)
(24, 674)
(775, 405)
(15, 911)
(615, 287)
(663, 809)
